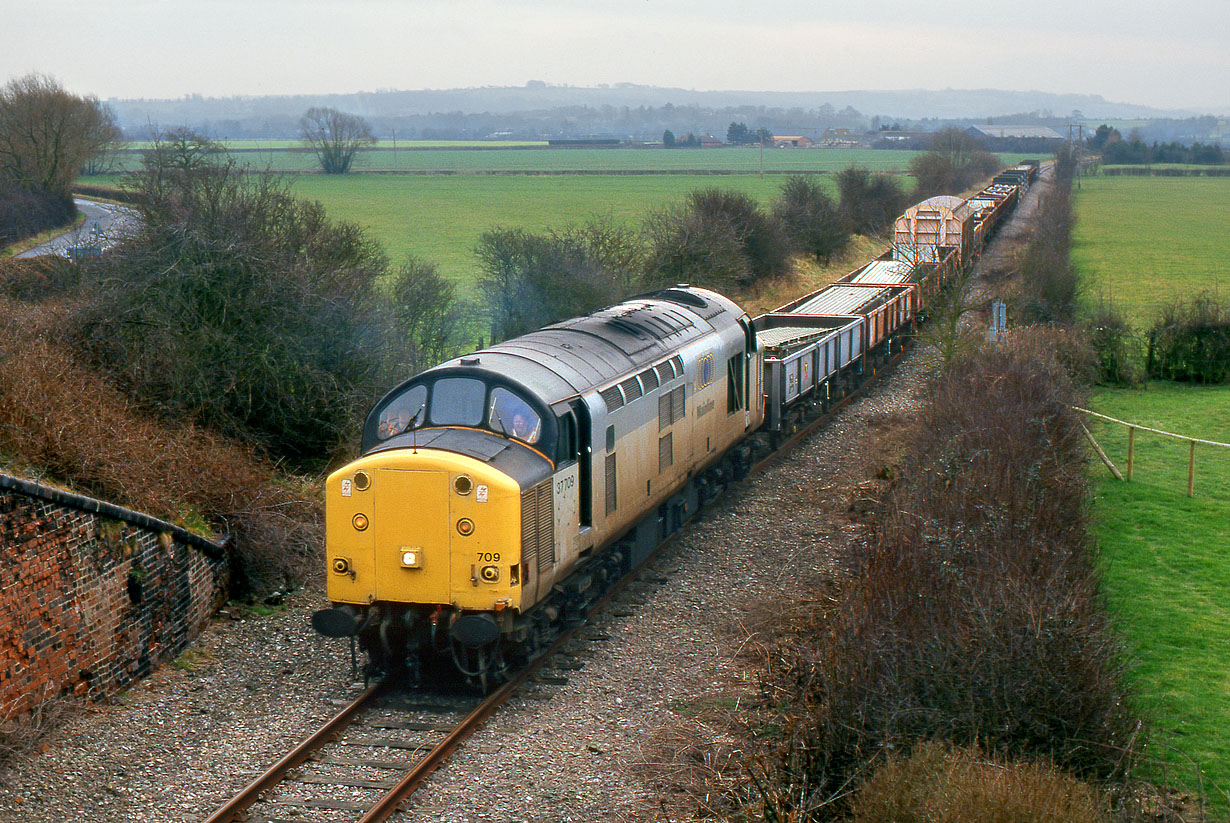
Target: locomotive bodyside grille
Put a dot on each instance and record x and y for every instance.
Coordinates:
(538, 526)
(666, 452)
(529, 529)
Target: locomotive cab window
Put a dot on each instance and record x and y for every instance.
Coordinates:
(457, 401)
(511, 415)
(405, 412)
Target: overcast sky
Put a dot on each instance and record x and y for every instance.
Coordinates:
(1168, 54)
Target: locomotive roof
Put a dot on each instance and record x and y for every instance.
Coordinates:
(584, 353)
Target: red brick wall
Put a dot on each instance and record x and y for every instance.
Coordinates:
(89, 603)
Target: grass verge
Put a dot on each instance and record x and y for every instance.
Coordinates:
(30, 242)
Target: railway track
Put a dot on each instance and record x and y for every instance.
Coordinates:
(381, 747)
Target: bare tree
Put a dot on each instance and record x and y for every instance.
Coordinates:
(955, 162)
(47, 134)
(107, 159)
(335, 137)
(176, 160)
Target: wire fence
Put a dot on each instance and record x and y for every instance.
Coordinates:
(1217, 465)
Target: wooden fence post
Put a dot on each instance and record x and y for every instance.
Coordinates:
(1191, 469)
(1131, 451)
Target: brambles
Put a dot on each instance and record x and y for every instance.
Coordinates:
(944, 784)
(58, 415)
(975, 617)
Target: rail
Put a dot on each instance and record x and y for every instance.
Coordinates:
(1131, 455)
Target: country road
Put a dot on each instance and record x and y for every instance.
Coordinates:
(105, 225)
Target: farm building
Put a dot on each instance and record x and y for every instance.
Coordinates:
(792, 142)
(1010, 132)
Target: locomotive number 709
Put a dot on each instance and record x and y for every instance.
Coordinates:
(488, 557)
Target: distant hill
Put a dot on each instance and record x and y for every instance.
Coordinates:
(622, 109)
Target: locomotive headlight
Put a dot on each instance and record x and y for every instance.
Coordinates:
(490, 574)
(341, 565)
(465, 527)
(411, 557)
(359, 521)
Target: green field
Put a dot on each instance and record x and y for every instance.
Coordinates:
(440, 219)
(1167, 556)
(469, 159)
(1143, 241)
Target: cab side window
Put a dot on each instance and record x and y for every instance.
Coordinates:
(569, 448)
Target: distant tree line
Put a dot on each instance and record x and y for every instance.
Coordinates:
(688, 141)
(738, 134)
(280, 119)
(1115, 150)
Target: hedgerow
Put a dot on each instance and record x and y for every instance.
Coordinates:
(975, 617)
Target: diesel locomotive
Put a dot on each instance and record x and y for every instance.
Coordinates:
(498, 492)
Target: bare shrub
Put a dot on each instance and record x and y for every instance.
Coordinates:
(238, 306)
(869, 202)
(684, 247)
(1048, 282)
(940, 783)
(40, 278)
(810, 219)
(530, 279)
(717, 238)
(27, 722)
(1191, 341)
(425, 320)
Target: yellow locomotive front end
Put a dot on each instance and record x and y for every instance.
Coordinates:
(423, 533)
(426, 527)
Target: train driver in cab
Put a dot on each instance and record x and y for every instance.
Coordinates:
(514, 417)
